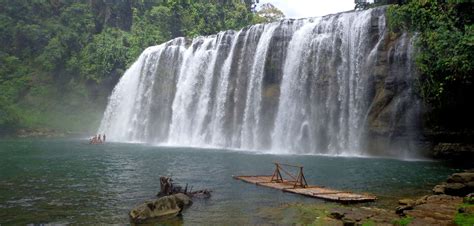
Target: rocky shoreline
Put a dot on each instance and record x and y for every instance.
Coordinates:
(447, 207)
(452, 203)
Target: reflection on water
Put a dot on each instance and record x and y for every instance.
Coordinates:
(68, 181)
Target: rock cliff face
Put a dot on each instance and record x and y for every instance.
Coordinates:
(337, 85)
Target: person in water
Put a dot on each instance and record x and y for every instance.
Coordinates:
(97, 139)
(93, 140)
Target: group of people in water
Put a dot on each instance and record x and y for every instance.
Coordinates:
(97, 139)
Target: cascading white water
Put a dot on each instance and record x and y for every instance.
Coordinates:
(219, 112)
(251, 122)
(314, 85)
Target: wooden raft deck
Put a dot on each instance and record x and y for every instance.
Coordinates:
(311, 191)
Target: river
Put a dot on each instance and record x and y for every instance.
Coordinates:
(68, 181)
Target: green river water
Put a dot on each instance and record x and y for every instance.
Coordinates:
(68, 181)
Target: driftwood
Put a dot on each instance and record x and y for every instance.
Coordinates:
(167, 187)
(172, 199)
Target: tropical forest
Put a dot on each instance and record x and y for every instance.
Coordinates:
(157, 111)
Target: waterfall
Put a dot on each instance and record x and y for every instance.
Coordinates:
(335, 85)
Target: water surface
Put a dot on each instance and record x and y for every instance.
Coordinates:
(69, 181)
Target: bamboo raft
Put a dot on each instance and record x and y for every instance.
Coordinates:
(298, 185)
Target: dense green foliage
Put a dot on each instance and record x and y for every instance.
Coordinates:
(445, 51)
(58, 57)
(269, 13)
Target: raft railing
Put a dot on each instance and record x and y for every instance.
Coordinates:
(298, 180)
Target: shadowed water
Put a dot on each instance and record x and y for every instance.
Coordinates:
(69, 181)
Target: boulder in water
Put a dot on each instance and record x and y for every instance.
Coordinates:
(183, 199)
(167, 206)
(458, 184)
(464, 177)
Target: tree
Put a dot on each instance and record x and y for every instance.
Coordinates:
(102, 57)
(8, 116)
(57, 48)
(270, 13)
(445, 42)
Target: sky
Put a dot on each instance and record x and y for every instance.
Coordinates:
(310, 8)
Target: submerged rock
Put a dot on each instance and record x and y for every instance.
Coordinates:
(166, 206)
(458, 184)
